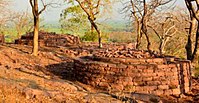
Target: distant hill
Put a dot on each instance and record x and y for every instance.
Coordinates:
(105, 26)
(119, 25)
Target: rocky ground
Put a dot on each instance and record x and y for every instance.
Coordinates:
(48, 78)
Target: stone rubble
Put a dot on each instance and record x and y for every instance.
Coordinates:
(49, 39)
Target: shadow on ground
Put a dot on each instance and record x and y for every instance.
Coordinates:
(63, 70)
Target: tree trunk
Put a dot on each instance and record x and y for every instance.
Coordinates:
(99, 40)
(139, 35)
(189, 40)
(92, 32)
(144, 30)
(144, 25)
(98, 32)
(196, 51)
(92, 29)
(148, 42)
(163, 44)
(161, 47)
(188, 48)
(194, 14)
(36, 36)
(36, 29)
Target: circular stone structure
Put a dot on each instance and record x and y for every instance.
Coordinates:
(146, 74)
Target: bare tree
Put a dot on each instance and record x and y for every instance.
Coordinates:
(137, 15)
(3, 4)
(141, 12)
(4, 13)
(176, 44)
(193, 8)
(22, 22)
(164, 26)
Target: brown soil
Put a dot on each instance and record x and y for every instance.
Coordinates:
(48, 78)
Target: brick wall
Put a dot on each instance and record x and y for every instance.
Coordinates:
(160, 76)
(49, 39)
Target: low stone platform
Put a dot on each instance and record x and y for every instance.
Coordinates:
(49, 39)
(154, 75)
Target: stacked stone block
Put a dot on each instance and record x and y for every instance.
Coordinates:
(49, 39)
(157, 76)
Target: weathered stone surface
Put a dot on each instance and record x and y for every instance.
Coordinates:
(49, 39)
(176, 91)
(163, 87)
(140, 74)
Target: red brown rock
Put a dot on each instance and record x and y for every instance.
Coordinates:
(49, 39)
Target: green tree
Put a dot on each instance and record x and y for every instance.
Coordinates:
(73, 19)
(92, 9)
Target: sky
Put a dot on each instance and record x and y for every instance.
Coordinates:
(53, 14)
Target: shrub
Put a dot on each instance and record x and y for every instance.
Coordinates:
(94, 36)
(89, 36)
(121, 37)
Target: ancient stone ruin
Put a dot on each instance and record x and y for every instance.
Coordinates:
(2, 39)
(134, 71)
(49, 39)
(121, 68)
